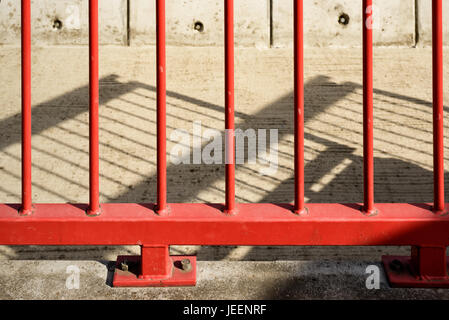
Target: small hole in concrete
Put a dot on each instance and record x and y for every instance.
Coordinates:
(343, 19)
(57, 24)
(198, 26)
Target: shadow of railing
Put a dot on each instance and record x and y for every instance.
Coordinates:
(334, 174)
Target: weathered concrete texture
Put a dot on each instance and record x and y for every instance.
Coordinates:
(200, 23)
(252, 23)
(396, 24)
(424, 22)
(215, 280)
(64, 22)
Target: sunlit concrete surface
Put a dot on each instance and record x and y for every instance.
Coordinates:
(216, 280)
(264, 100)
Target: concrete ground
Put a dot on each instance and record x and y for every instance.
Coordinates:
(333, 87)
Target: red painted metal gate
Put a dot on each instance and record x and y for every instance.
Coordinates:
(155, 227)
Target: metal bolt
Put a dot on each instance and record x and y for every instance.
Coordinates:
(198, 26)
(186, 265)
(396, 265)
(57, 24)
(343, 19)
(124, 266)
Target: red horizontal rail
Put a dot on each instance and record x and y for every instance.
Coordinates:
(205, 224)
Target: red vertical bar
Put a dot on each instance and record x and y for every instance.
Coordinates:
(437, 66)
(26, 208)
(94, 192)
(368, 160)
(299, 106)
(161, 109)
(229, 107)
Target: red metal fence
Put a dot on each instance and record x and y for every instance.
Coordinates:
(155, 227)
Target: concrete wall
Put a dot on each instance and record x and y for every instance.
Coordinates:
(252, 22)
(200, 22)
(424, 22)
(63, 21)
(324, 24)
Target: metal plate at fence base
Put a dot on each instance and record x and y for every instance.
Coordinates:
(131, 278)
(400, 274)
